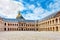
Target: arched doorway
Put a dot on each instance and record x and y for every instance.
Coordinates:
(57, 28)
(22, 29)
(8, 29)
(36, 29)
(17, 29)
(4, 29)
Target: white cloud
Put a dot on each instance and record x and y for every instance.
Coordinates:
(38, 13)
(31, 7)
(21, 6)
(38, 10)
(55, 6)
(31, 16)
(9, 8)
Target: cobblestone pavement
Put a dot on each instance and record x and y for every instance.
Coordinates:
(29, 35)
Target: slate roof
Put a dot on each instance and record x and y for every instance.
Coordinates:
(53, 15)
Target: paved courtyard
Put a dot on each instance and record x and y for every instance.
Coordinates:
(29, 35)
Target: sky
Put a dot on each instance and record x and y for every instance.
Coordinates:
(29, 9)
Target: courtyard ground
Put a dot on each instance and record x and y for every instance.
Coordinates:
(29, 35)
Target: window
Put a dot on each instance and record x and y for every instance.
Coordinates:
(32, 25)
(5, 24)
(50, 22)
(13, 24)
(36, 24)
(22, 24)
(36, 29)
(17, 24)
(53, 21)
(8, 24)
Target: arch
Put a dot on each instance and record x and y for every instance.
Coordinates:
(26, 29)
(56, 20)
(17, 24)
(36, 29)
(17, 29)
(50, 22)
(4, 29)
(8, 29)
(36, 24)
(30, 29)
(13, 24)
(48, 28)
(56, 28)
(53, 21)
(22, 29)
(21, 24)
(5, 24)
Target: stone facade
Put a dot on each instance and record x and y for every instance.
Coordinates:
(52, 24)
(18, 26)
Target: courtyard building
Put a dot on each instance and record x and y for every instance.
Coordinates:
(49, 23)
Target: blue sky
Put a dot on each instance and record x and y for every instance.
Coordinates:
(30, 9)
